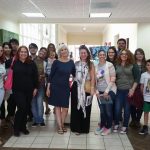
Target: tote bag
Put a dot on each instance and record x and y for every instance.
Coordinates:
(9, 80)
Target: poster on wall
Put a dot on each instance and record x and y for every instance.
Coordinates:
(94, 51)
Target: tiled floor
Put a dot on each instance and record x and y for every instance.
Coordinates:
(47, 137)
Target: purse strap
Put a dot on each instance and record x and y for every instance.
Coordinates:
(12, 62)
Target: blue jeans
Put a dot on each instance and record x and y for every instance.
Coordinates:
(1, 95)
(106, 112)
(37, 105)
(122, 102)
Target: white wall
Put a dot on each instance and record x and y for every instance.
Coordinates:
(143, 38)
(84, 38)
(61, 35)
(124, 31)
(9, 25)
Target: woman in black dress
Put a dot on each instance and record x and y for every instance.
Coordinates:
(81, 100)
(58, 89)
(25, 84)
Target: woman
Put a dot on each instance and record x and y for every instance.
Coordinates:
(112, 55)
(58, 89)
(51, 47)
(127, 79)
(8, 58)
(7, 50)
(49, 62)
(81, 100)
(2, 75)
(106, 87)
(137, 99)
(25, 84)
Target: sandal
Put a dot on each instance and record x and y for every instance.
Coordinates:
(60, 131)
(77, 133)
(64, 129)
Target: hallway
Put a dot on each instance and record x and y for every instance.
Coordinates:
(47, 137)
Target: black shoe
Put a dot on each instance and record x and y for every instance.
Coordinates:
(26, 132)
(16, 133)
(42, 124)
(34, 124)
(144, 130)
(132, 124)
(29, 119)
(138, 124)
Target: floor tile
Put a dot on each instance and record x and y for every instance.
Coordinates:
(113, 142)
(97, 146)
(42, 140)
(77, 140)
(76, 146)
(25, 140)
(60, 140)
(60, 146)
(40, 145)
(22, 145)
(114, 147)
(95, 141)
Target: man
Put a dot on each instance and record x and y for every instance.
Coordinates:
(14, 45)
(33, 48)
(37, 101)
(121, 44)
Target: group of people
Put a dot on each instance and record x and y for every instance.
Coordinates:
(120, 81)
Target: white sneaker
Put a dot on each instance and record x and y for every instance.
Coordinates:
(106, 131)
(99, 130)
(116, 127)
(123, 130)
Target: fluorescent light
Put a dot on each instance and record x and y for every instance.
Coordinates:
(33, 14)
(100, 15)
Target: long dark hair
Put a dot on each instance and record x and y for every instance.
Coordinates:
(28, 59)
(140, 50)
(115, 56)
(88, 59)
(2, 58)
(51, 45)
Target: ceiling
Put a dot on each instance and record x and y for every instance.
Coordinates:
(77, 11)
(78, 28)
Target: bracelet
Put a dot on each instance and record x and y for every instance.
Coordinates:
(132, 90)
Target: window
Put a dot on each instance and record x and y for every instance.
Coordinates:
(41, 34)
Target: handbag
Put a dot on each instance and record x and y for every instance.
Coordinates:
(137, 98)
(9, 80)
(87, 86)
(103, 100)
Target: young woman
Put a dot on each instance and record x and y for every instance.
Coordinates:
(49, 62)
(127, 79)
(7, 50)
(106, 87)
(58, 89)
(10, 107)
(2, 75)
(81, 100)
(112, 55)
(137, 99)
(51, 47)
(25, 85)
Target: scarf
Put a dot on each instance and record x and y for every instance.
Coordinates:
(81, 75)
